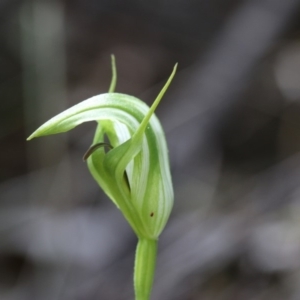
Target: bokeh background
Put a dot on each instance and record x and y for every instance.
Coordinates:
(232, 122)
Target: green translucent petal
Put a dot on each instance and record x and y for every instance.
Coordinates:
(111, 106)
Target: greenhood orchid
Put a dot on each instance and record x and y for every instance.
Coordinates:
(132, 168)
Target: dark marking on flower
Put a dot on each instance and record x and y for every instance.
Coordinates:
(93, 148)
(152, 214)
(127, 180)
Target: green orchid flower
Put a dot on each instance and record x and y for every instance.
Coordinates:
(132, 167)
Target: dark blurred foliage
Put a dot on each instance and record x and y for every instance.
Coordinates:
(232, 121)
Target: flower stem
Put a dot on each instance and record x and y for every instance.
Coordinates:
(145, 260)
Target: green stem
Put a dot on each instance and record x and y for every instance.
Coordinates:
(145, 260)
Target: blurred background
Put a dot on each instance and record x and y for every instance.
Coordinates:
(232, 122)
